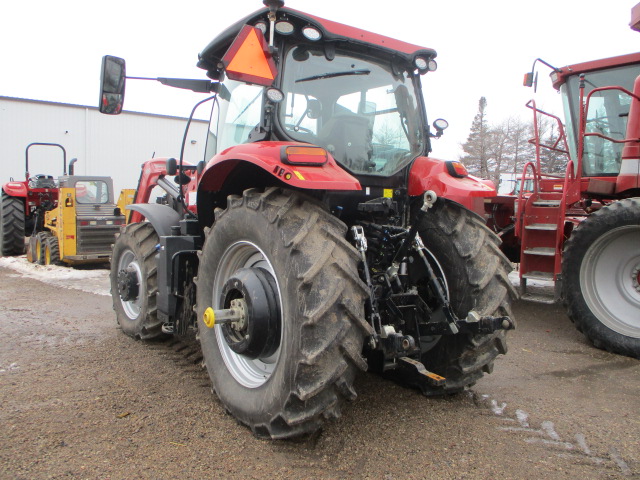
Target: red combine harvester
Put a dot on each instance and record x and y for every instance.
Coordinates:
(582, 230)
(319, 238)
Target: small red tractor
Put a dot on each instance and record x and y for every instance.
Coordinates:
(24, 204)
(582, 229)
(319, 238)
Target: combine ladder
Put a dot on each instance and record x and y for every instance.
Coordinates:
(541, 231)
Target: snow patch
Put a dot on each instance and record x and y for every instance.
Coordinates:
(87, 279)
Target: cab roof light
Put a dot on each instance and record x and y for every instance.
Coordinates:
(303, 156)
(311, 33)
(457, 169)
(284, 28)
(262, 26)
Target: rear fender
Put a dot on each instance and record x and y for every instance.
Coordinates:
(161, 217)
(268, 156)
(432, 174)
(261, 165)
(15, 189)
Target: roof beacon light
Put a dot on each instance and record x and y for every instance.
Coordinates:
(312, 33)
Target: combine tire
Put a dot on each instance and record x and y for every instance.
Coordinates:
(601, 277)
(465, 254)
(286, 367)
(134, 281)
(11, 225)
(51, 251)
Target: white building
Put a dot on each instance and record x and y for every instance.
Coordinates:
(109, 145)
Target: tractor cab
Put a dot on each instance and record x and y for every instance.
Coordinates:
(355, 94)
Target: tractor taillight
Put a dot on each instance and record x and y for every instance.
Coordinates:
(308, 156)
(457, 169)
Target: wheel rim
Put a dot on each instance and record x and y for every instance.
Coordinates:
(133, 307)
(251, 373)
(38, 249)
(609, 280)
(47, 256)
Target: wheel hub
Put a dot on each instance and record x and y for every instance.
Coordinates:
(635, 277)
(128, 284)
(258, 334)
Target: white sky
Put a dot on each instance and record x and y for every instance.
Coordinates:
(52, 50)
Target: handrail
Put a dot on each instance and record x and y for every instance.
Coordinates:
(520, 200)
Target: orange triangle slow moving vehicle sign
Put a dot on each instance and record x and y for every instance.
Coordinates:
(248, 58)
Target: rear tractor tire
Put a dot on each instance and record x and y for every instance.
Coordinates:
(134, 281)
(601, 277)
(465, 255)
(12, 225)
(287, 367)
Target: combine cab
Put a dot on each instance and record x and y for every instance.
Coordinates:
(319, 238)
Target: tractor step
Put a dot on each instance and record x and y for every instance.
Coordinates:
(542, 226)
(543, 251)
(546, 203)
(535, 275)
(538, 298)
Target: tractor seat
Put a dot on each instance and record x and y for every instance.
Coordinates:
(349, 139)
(42, 181)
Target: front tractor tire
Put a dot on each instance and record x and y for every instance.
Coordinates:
(12, 225)
(286, 367)
(134, 281)
(465, 255)
(601, 277)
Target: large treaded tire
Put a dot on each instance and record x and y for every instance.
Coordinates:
(321, 301)
(136, 248)
(476, 276)
(51, 251)
(12, 225)
(601, 277)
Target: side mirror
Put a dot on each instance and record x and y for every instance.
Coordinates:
(172, 166)
(112, 82)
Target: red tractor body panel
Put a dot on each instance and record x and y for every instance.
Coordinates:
(431, 174)
(15, 189)
(152, 171)
(269, 157)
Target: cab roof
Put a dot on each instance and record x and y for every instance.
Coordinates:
(211, 56)
(563, 74)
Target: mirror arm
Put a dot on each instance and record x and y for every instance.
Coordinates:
(199, 86)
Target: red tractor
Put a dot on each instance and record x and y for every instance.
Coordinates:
(319, 238)
(582, 229)
(25, 203)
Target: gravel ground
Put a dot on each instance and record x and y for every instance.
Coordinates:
(82, 400)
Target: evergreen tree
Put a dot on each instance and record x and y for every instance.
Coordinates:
(476, 147)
